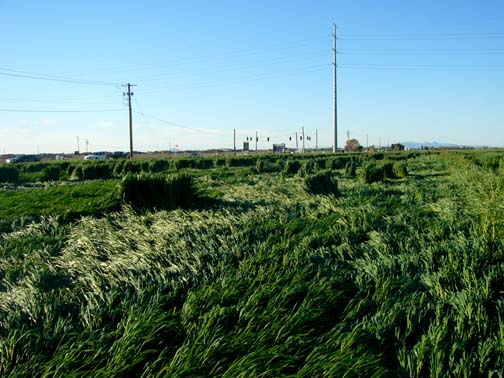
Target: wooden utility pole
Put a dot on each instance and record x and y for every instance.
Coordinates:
(129, 94)
(335, 145)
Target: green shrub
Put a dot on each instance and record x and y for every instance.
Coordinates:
(203, 163)
(388, 170)
(51, 173)
(144, 166)
(119, 167)
(158, 191)
(131, 166)
(265, 165)
(182, 164)
(323, 182)
(320, 164)
(291, 167)
(372, 172)
(9, 174)
(76, 172)
(336, 163)
(241, 162)
(307, 168)
(33, 167)
(350, 168)
(97, 171)
(400, 169)
(158, 165)
(220, 162)
(376, 156)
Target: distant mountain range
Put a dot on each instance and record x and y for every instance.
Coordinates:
(414, 145)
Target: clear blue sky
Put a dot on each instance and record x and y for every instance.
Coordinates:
(422, 71)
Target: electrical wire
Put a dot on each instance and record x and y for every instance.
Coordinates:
(419, 36)
(420, 67)
(226, 55)
(240, 79)
(240, 65)
(59, 111)
(38, 76)
(177, 125)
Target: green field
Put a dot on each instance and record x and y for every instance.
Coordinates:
(383, 265)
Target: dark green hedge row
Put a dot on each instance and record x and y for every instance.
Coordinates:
(288, 164)
(373, 171)
(158, 191)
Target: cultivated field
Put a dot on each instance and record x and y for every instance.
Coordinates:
(365, 265)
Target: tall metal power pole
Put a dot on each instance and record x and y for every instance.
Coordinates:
(78, 145)
(335, 145)
(256, 142)
(129, 94)
(234, 140)
(297, 146)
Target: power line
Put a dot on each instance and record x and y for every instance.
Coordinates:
(178, 125)
(60, 111)
(38, 76)
(258, 50)
(417, 67)
(420, 52)
(240, 65)
(241, 79)
(420, 36)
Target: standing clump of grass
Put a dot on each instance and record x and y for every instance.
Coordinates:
(131, 166)
(388, 170)
(159, 165)
(158, 191)
(96, 171)
(267, 166)
(260, 165)
(75, 172)
(372, 172)
(350, 168)
(291, 167)
(323, 182)
(51, 173)
(8, 174)
(307, 168)
(400, 169)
